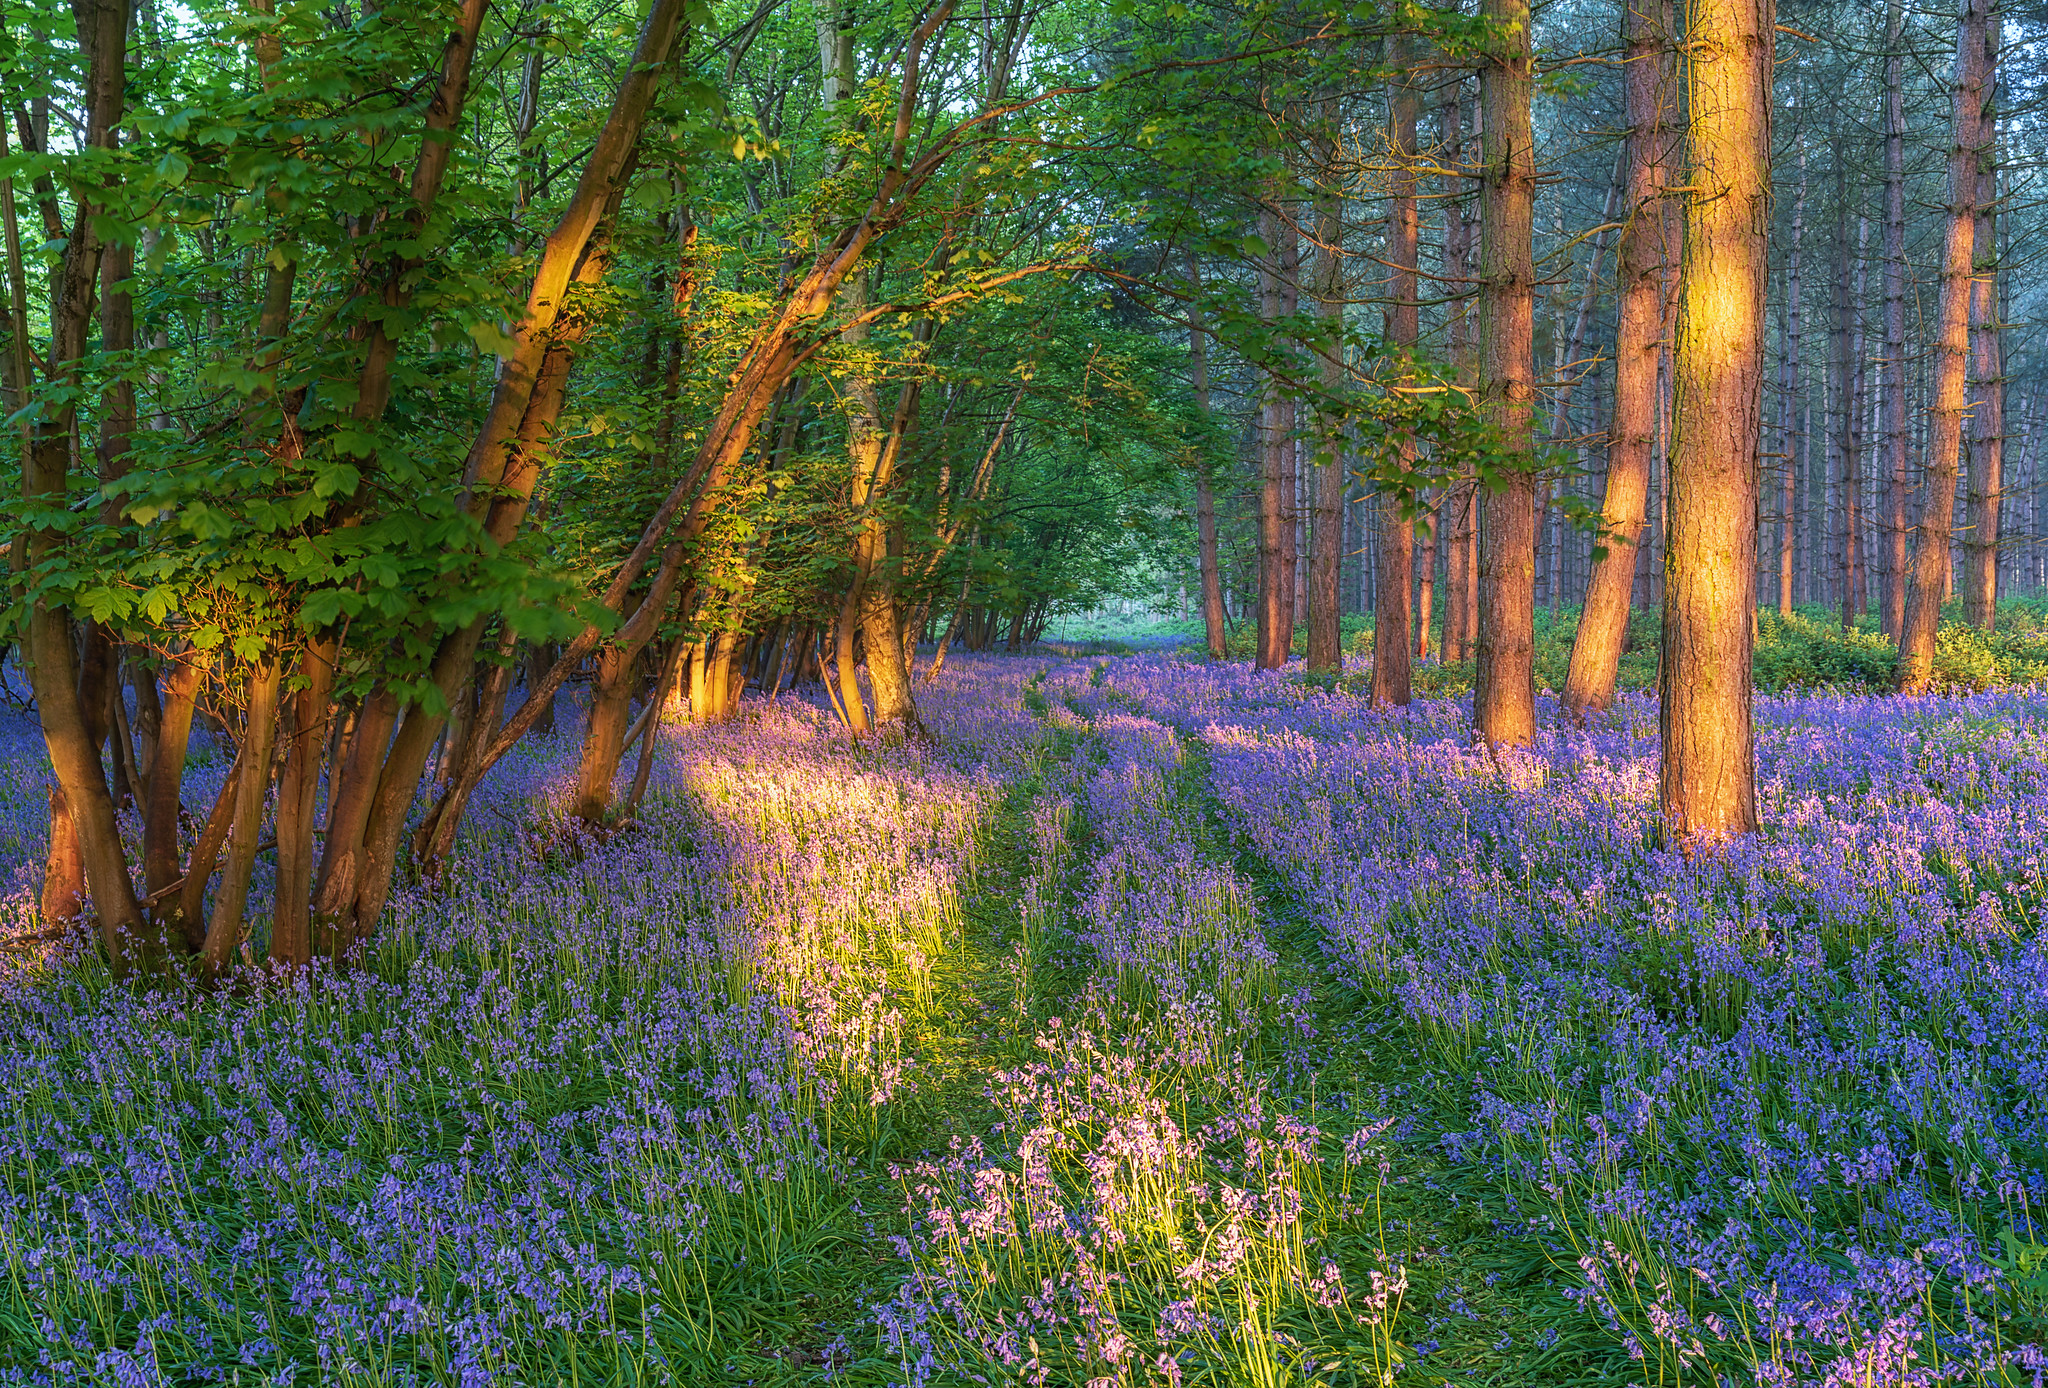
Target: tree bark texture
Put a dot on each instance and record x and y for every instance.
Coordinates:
(1931, 572)
(1393, 640)
(1504, 687)
(1641, 263)
(1707, 774)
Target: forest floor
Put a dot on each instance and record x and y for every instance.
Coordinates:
(1157, 1021)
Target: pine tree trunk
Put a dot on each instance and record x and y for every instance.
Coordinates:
(1707, 778)
(1931, 572)
(1326, 470)
(1986, 485)
(1205, 491)
(1393, 640)
(1651, 97)
(1892, 381)
(1852, 437)
(1460, 572)
(1274, 621)
(1289, 461)
(1504, 689)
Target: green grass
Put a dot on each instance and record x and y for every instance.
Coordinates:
(1810, 650)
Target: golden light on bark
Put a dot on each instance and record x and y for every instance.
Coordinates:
(1707, 778)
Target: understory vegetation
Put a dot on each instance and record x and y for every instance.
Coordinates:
(1808, 650)
(1171, 1022)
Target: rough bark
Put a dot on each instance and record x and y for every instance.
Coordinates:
(1326, 468)
(1707, 773)
(1504, 686)
(1276, 622)
(1458, 512)
(1855, 563)
(1651, 98)
(1931, 573)
(1985, 489)
(1392, 637)
(1892, 378)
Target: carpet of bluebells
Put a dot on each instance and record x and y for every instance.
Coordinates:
(1155, 1022)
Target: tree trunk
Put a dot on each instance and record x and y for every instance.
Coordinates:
(252, 789)
(1852, 436)
(160, 870)
(1392, 638)
(1504, 688)
(1458, 512)
(1205, 491)
(1707, 779)
(1986, 487)
(1651, 98)
(1326, 472)
(63, 865)
(1425, 576)
(1892, 381)
(1293, 582)
(853, 707)
(291, 930)
(1931, 569)
(1275, 620)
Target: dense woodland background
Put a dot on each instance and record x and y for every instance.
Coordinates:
(375, 371)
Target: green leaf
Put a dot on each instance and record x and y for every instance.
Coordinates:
(494, 338)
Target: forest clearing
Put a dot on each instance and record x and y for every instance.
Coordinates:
(1074, 693)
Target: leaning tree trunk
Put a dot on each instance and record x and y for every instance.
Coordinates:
(1707, 776)
(1638, 345)
(1504, 688)
(1929, 580)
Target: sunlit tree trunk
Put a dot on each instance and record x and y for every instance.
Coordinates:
(1707, 775)
(1651, 98)
(1986, 485)
(1425, 573)
(1931, 571)
(1504, 689)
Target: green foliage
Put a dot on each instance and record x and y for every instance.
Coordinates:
(1808, 651)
